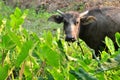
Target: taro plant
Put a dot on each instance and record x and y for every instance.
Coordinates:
(25, 56)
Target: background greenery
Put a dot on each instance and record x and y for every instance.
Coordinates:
(33, 49)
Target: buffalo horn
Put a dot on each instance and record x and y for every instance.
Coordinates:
(60, 12)
(84, 13)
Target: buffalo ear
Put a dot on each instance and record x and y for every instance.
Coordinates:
(56, 18)
(87, 20)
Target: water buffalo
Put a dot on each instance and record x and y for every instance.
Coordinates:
(91, 26)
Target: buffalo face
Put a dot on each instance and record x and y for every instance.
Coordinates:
(71, 26)
(71, 23)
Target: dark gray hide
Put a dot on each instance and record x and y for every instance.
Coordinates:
(91, 26)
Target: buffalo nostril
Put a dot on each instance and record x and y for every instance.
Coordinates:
(70, 39)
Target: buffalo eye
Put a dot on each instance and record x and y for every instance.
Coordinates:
(76, 22)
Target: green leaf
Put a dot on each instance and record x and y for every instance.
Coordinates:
(13, 21)
(105, 56)
(51, 56)
(19, 22)
(16, 22)
(7, 43)
(27, 46)
(28, 73)
(48, 37)
(14, 38)
(57, 74)
(109, 43)
(60, 46)
(4, 72)
(25, 13)
(18, 12)
(100, 76)
(82, 75)
(117, 37)
(17, 18)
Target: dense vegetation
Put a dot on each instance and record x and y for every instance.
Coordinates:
(30, 51)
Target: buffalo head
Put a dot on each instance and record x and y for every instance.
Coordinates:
(72, 22)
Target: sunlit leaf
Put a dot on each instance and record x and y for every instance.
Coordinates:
(82, 75)
(51, 56)
(101, 76)
(17, 12)
(14, 38)
(13, 20)
(27, 46)
(104, 56)
(4, 72)
(20, 21)
(24, 14)
(109, 43)
(7, 43)
(57, 74)
(48, 37)
(117, 37)
(28, 73)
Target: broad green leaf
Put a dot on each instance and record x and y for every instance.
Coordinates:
(50, 55)
(116, 77)
(7, 43)
(24, 14)
(20, 21)
(117, 37)
(53, 58)
(17, 13)
(48, 37)
(104, 56)
(14, 38)
(17, 18)
(4, 72)
(46, 53)
(16, 22)
(57, 74)
(13, 20)
(109, 43)
(83, 64)
(82, 75)
(100, 76)
(28, 73)
(27, 46)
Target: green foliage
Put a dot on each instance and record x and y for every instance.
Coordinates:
(24, 55)
(82, 75)
(4, 72)
(17, 18)
(117, 35)
(109, 43)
